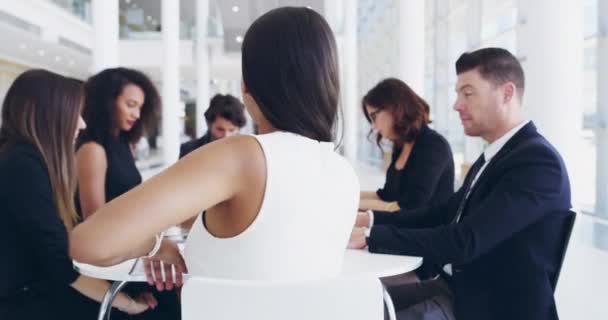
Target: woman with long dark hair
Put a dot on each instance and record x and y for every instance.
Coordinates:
(120, 105)
(40, 119)
(277, 206)
(421, 171)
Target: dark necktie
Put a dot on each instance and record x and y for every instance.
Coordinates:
(468, 185)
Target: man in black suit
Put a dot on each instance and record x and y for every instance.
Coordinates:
(225, 117)
(497, 241)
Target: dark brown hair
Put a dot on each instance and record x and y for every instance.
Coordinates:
(496, 65)
(290, 68)
(42, 108)
(228, 107)
(409, 110)
(101, 92)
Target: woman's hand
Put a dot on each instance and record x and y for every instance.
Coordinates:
(362, 220)
(134, 306)
(379, 205)
(357, 239)
(167, 259)
(147, 298)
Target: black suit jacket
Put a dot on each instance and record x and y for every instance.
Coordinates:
(192, 145)
(36, 270)
(506, 247)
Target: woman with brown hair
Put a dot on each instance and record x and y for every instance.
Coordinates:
(40, 120)
(421, 171)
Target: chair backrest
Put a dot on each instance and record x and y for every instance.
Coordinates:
(566, 232)
(350, 298)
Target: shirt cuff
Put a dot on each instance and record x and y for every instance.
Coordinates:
(367, 231)
(370, 215)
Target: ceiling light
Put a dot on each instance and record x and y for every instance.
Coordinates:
(239, 39)
(41, 53)
(235, 8)
(128, 1)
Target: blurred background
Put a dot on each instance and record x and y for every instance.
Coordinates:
(191, 49)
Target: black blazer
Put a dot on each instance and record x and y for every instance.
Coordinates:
(190, 146)
(506, 247)
(36, 269)
(428, 175)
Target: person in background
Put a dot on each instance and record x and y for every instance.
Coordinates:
(40, 120)
(254, 224)
(498, 241)
(225, 117)
(421, 171)
(120, 104)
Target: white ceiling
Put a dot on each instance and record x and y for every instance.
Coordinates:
(24, 48)
(21, 47)
(236, 15)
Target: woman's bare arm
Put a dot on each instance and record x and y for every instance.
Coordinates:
(369, 195)
(379, 205)
(91, 167)
(124, 227)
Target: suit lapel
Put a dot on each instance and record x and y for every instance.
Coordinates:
(526, 132)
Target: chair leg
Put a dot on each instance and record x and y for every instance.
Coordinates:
(390, 307)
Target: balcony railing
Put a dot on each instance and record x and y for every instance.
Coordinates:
(79, 8)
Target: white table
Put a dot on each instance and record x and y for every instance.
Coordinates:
(355, 262)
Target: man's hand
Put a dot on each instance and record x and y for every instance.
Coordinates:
(357, 239)
(362, 220)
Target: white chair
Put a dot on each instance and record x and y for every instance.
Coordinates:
(351, 298)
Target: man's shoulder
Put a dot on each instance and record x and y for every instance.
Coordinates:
(191, 145)
(536, 146)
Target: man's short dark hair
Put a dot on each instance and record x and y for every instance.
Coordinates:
(496, 65)
(228, 107)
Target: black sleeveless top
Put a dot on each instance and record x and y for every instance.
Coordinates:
(122, 174)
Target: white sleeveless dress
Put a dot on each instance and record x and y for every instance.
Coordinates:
(304, 223)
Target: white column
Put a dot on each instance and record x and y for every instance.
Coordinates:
(410, 16)
(601, 132)
(171, 87)
(552, 53)
(333, 10)
(473, 146)
(442, 68)
(350, 104)
(105, 30)
(202, 66)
